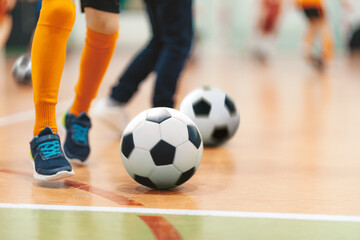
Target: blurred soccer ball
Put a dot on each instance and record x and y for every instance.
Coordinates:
(161, 148)
(213, 112)
(22, 69)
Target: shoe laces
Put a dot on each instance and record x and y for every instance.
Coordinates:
(80, 133)
(49, 149)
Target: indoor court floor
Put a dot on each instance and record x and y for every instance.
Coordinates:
(292, 170)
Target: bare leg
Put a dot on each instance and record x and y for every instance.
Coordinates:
(310, 36)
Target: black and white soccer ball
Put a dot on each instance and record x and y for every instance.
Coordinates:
(22, 69)
(161, 148)
(214, 113)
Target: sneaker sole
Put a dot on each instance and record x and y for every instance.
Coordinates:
(76, 161)
(47, 178)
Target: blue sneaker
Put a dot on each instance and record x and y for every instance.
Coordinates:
(76, 147)
(48, 159)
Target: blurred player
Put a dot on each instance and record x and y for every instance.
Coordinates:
(350, 29)
(317, 26)
(5, 20)
(165, 54)
(354, 42)
(48, 52)
(266, 28)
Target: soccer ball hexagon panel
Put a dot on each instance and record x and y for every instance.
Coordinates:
(213, 112)
(161, 148)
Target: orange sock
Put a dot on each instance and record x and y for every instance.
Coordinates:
(327, 46)
(95, 59)
(56, 21)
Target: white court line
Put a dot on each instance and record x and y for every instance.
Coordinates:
(29, 115)
(288, 216)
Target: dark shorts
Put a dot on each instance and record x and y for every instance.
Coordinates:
(313, 13)
(112, 6)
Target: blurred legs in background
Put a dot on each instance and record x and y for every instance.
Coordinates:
(317, 28)
(166, 54)
(266, 29)
(5, 20)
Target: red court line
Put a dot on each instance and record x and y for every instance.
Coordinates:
(161, 228)
(121, 200)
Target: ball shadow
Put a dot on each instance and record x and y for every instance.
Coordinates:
(187, 188)
(52, 184)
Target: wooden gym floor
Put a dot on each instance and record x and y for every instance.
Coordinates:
(292, 170)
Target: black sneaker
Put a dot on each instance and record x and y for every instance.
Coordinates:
(48, 158)
(76, 147)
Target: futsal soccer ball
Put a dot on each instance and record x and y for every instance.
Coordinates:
(213, 112)
(22, 69)
(161, 148)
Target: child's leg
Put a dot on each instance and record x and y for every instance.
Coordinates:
(177, 33)
(309, 37)
(102, 18)
(144, 62)
(101, 36)
(327, 42)
(48, 57)
(5, 29)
